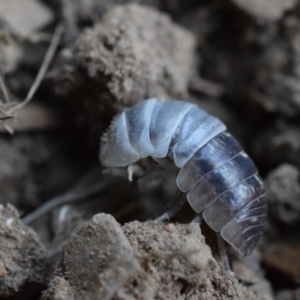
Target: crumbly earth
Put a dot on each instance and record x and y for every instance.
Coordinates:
(150, 260)
(22, 256)
(123, 60)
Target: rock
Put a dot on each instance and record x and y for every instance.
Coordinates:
(283, 188)
(177, 265)
(140, 261)
(269, 10)
(25, 16)
(22, 256)
(85, 10)
(59, 290)
(97, 259)
(80, 12)
(124, 59)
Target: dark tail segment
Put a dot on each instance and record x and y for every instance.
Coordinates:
(228, 191)
(245, 230)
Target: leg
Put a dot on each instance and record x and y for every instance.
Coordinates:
(174, 210)
(224, 257)
(123, 172)
(197, 220)
(134, 170)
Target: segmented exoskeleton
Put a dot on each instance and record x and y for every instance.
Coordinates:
(220, 179)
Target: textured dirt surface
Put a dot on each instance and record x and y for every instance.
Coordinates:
(141, 261)
(22, 256)
(123, 60)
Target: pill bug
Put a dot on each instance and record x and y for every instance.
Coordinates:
(220, 180)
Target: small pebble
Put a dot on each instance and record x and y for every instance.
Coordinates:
(170, 228)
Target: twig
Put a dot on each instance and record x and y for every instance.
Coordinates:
(67, 198)
(6, 118)
(3, 112)
(43, 69)
(7, 128)
(4, 89)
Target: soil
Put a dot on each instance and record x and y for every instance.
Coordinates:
(70, 232)
(148, 260)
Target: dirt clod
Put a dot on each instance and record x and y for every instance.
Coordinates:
(140, 261)
(26, 18)
(99, 253)
(22, 256)
(123, 60)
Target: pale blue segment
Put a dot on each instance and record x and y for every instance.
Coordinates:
(166, 118)
(116, 151)
(190, 141)
(138, 123)
(192, 120)
(158, 105)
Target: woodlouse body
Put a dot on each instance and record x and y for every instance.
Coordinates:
(220, 179)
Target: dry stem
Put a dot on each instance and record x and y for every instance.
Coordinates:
(43, 69)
